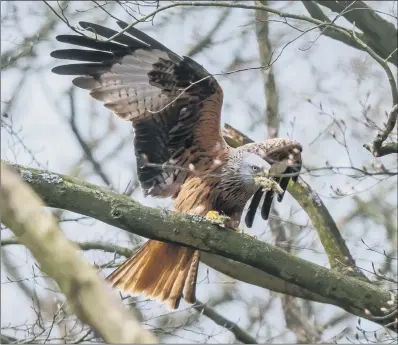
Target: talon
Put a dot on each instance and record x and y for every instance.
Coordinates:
(212, 214)
(216, 218)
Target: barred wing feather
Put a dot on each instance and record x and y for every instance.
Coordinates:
(173, 103)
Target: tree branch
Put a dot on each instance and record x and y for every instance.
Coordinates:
(220, 320)
(86, 149)
(265, 51)
(378, 33)
(294, 319)
(316, 12)
(206, 41)
(89, 296)
(384, 150)
(378, 147)
(356, 296)
(5, 339)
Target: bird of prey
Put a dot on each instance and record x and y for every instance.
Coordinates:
(174, 106)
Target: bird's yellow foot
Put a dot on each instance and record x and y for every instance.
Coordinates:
(216, 218)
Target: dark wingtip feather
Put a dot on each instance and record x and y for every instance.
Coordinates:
(88, 42)
(82, 55)
(251, 212)
(138, 34)
(266, 208)
(92, 69)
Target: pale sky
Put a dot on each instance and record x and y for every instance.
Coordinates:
(42, 112)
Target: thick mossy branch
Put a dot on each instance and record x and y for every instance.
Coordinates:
(338, 254)
(354, 295)
(88, 296)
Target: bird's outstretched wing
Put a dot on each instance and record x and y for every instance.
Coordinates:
(284, 156)
(172, 101)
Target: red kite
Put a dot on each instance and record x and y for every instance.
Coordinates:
(174, 105)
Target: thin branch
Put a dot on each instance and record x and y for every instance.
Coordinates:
(228, 5)
(104, 246)
(220, 320)
(209, 37)
(265, 51)
(97, 167)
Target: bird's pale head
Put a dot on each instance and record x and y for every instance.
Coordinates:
(244, 169)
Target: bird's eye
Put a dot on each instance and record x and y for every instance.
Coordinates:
(255, 168)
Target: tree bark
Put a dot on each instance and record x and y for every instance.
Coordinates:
(88, 295)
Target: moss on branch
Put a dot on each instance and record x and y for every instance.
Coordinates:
(60, 191)
(88, 295)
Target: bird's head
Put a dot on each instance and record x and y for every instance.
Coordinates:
(246, 169)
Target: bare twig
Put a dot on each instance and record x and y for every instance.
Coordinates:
(209, 37)
(97, 167)
(228, 5)
(220, 320)
(265, 51)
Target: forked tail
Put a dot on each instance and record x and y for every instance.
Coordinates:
(160, 270)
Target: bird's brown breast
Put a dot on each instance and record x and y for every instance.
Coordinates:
(199, 195)
(196, 195)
